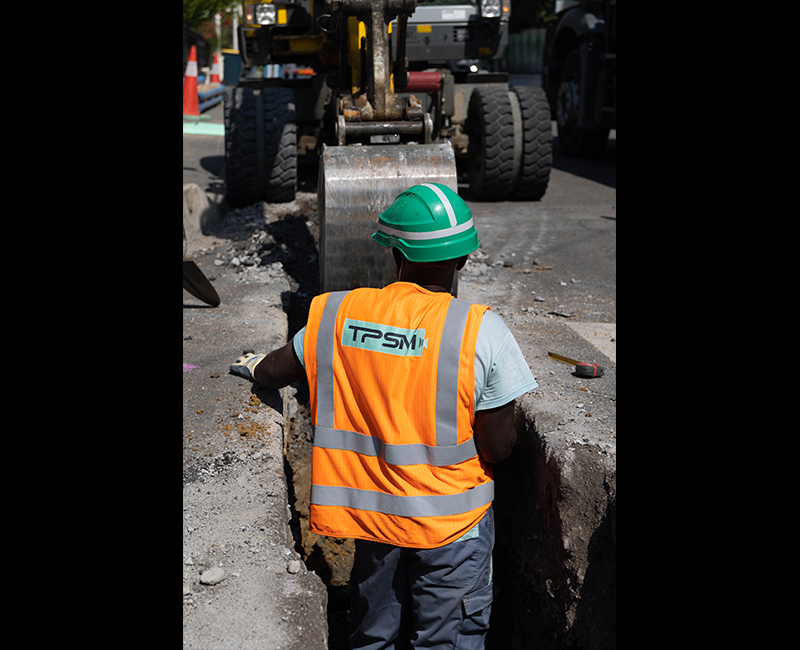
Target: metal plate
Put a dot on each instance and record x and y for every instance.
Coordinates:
(356, 184)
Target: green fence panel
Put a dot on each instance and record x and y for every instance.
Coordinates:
(524, 51)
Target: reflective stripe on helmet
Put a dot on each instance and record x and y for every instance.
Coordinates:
(445, 201)
(433, 234)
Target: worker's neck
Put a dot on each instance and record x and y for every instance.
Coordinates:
(437, 277)
(434, 287)
(440, 284)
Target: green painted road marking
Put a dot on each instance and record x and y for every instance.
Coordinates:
(200, 128)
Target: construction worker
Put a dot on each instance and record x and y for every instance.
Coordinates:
(412, 399)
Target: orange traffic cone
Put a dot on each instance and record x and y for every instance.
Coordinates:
(215, 69)
(190, 101)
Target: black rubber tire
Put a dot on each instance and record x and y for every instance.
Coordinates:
(537, 144)
(575, 141)
(241, 165)
(280, 145)
(491, 144)
(260, 146)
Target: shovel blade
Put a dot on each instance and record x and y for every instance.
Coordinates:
(198, 285)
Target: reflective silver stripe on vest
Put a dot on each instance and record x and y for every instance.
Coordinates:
(447, 373)
(325, 343)
(391, 504)
(417, 454)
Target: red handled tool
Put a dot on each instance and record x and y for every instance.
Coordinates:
(581, 369)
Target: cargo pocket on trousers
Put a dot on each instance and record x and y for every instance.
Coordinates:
(477, 607)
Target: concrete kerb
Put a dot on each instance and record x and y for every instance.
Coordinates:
(238, 525)
(237, 513)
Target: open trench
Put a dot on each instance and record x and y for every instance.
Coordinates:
(293, 241)
(330, 558)
(528, 610)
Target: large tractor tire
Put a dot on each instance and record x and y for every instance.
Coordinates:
(575, 141)
(240, 147)
(534, 135)
(280, 144)
(260, 145)
(491, 144)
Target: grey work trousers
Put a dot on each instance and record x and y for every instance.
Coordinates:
(423, 598)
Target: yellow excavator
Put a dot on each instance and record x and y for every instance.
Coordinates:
(395, 99)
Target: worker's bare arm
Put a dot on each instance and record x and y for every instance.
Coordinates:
(279, 368)
(495, 434)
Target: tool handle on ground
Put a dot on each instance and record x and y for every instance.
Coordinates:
(588, 370)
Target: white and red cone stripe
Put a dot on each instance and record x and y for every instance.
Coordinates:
(190, 100)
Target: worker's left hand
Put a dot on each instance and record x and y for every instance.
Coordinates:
(245, 366)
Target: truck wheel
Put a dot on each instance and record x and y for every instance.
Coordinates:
(280, 145)
(260, 146)
(491, 143)
(536, 160)
(240, 147)
(574, 140)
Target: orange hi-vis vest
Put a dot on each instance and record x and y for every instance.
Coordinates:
(392, 381)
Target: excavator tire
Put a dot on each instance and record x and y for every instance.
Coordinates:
(260, 145)
(491, 144)
(536, 159)
(280, 145)
(240, 147)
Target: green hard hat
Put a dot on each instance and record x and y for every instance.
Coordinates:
(428, 223)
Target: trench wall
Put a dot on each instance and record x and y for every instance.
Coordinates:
(555, 549)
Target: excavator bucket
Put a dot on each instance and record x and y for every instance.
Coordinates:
(356, 183)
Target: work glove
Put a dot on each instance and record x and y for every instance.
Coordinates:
(245, 366)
